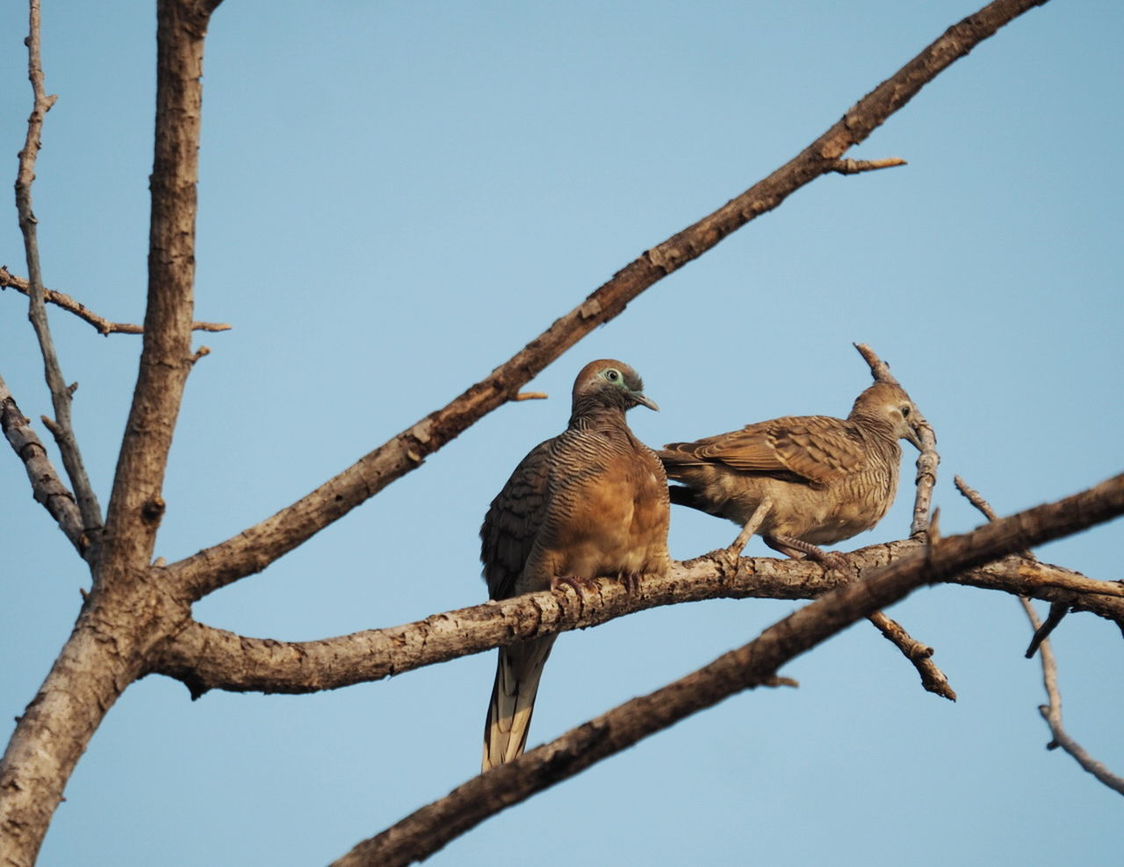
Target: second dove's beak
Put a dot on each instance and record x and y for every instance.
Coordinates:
(643, 400)
(914, 437)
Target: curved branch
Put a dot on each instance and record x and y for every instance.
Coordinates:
(46, 486)
(755, 664)
(206, 658)
(73, 305)
(1052, 713)
(257, 547)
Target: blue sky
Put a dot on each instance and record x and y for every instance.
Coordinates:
(394, 198)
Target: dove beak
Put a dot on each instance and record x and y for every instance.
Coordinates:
(914, 436)
(643, 400)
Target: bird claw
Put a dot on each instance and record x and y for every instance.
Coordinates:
(631, 582)
(579, 585)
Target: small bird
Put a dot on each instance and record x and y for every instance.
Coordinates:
(822, 479)
(591, 502)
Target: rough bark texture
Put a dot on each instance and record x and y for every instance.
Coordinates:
(126, 612)
(207, 658)
(46, 486)
(755, 664)
(136, 506)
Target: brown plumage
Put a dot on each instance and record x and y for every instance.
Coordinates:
(827, 478)
(591, 502)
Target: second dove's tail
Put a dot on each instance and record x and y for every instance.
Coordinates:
(513, 699)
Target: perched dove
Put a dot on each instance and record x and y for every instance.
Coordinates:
(827, 478)
(591, 502)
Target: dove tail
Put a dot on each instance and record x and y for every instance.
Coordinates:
(513, 699)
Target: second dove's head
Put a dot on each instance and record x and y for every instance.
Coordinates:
(888, 404)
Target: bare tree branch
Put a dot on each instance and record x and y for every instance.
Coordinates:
(124, 614)
(46, 486)
(136, 506)
(1058, 608)
(1052, 712)
(430, 828)
(256, 547)
(61, 394)
(927, 461)
(206, 658)
(72, 305)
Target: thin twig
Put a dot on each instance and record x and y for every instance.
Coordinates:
(932, 678)
(37, 311)
(1052, 712)
(531, 395)
(1058, 608)
(927, 461)
(73, 305)
(854, 167)
(755, 664)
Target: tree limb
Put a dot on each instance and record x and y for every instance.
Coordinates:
(73, 305)
(206, 658)
(256, 547)
(755, 664)
(61, 394)
(136, 505)
(1052, 712)
(46, 486)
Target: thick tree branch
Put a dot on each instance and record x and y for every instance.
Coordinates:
(61, 394)
(73, 305)
(755, 664)
(207, 658)
(46, 486)
(136, 506)
(255, 548)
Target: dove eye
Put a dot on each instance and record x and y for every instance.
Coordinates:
(905, 412)
(612, 375)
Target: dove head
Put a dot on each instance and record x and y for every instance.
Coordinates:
(887, 404)
(609, 383)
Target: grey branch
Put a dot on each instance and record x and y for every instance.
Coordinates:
(755, 664)
(73, 305)
(37, 312)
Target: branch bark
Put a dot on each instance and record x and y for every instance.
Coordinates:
(125, 614)
(256, 547)
(73, 305)
(755, 664)
(136, 506)
(206, 658)
(1052, 712)
(46, 486)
